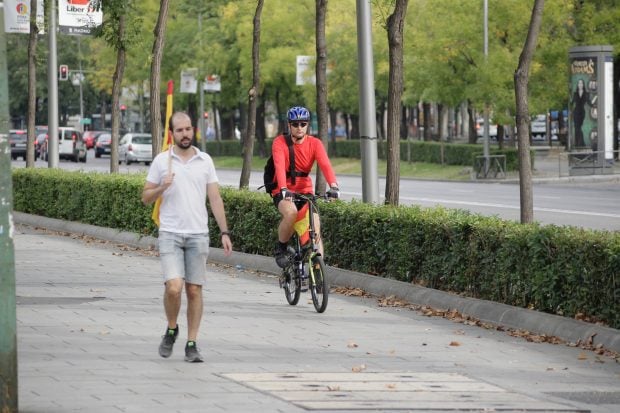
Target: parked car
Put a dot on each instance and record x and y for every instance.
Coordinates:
(480, 129)
(136, 147)
(18, 139)
(90, 137)
(103, 146)
(70, 145)
(538, 127)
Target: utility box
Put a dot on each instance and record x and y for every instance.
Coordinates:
(591, 110)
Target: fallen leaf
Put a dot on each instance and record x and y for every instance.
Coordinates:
(352, 344)
(333, 388)
(455, 343)
(357, 369)
(390, 386)
(582, 356)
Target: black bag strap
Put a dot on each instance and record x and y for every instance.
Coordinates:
(291, 155)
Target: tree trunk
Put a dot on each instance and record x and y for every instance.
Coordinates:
(117, 81)
(501, 133)
(404, 122)
(521, 79)
(32, 84)
(321, 88)
(333, 120)
(395, 25)
(426, 108)
(473, 136)
(355, 126)
(155, 80)
(248, 141)
(260, 128)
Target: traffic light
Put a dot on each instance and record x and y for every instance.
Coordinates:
(63, 73)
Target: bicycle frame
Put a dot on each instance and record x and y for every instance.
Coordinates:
(307, 261)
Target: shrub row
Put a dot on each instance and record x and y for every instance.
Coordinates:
(414, 151)
(560, 270)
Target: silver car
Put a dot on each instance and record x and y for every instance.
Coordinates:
(136, 147)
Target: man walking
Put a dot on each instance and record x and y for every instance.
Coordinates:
(185, 178)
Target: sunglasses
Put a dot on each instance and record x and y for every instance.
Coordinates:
(299, 124)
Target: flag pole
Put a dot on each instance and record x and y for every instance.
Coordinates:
(167, 144)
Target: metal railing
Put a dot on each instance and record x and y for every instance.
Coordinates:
(581, 163)
(491, 166)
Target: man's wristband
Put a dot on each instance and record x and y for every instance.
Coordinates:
(225, 233)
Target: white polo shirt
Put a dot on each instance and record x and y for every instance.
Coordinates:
(183, 207)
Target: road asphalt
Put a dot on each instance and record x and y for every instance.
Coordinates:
(90, 318)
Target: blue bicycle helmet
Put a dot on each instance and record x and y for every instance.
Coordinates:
(297, 113)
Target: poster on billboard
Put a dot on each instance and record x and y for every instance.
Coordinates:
(305, 71)
(212, 84)
(583, 103)
(17, 16)
(79, 16)
(189, 82)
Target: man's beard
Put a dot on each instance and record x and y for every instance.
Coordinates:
(183, 144)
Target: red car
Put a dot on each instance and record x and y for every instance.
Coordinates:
(90, 138)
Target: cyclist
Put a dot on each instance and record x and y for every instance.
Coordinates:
(308, 149)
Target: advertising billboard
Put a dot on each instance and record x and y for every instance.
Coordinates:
(583, 102)
(79, 16)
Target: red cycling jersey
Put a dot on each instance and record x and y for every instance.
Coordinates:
(306, 153)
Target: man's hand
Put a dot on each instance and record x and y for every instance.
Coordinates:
(167, 181)
(286, 194)
(333, 192)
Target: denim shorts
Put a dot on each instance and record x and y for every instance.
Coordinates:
(184, 256)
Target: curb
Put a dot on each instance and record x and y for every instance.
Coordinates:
(567, 329)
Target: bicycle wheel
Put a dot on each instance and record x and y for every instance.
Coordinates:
(319, 287)
(292, 286)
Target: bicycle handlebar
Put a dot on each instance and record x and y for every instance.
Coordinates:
(310, 197)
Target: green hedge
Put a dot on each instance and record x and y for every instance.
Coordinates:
(560, 270)
(414, 151)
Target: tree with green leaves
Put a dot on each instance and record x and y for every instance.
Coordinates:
(119, 30)
(521, 92)
(155, 80)
(395, 28)
(321, 86)
(248, 141)
(32, 84)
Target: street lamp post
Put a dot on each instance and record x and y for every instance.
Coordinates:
(485, 136)
(367, 119)
(52, 94)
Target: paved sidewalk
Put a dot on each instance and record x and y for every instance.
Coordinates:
(90, 317)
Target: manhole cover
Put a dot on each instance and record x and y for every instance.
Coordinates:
(391, 391)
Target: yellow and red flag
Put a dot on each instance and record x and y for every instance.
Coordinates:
(166, 144)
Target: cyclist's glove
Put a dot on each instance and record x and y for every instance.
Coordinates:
(286, 194)
(333, 192)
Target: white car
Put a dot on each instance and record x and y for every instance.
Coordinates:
(480, 129)
(70, 145)
(136, 147)
(538, 126)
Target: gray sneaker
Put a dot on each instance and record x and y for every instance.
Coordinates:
(167, 341)
(192, 355)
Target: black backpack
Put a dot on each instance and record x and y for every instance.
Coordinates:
(269, 175)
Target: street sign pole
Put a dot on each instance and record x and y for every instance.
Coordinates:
(52, 91)
(8, 317)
